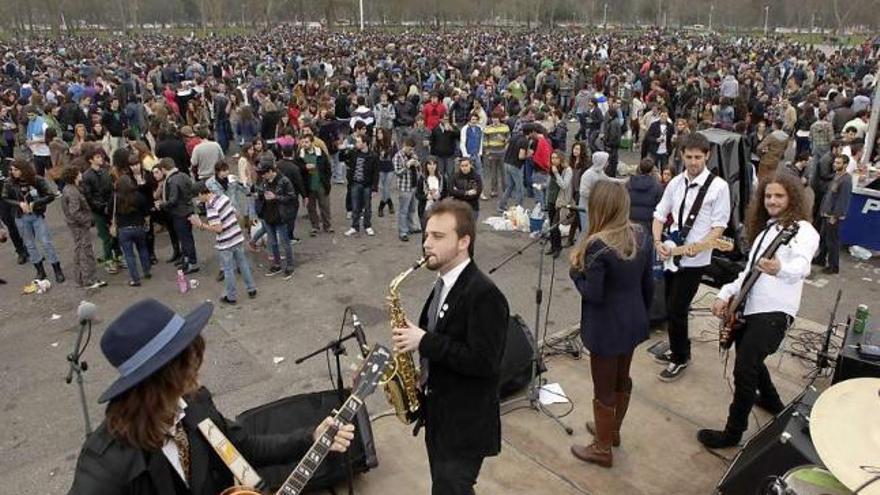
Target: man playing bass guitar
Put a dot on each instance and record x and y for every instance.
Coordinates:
(699, 203)
(777, 210)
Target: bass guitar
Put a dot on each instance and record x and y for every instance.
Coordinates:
(672, 263)
(733, 315)
(368, 377)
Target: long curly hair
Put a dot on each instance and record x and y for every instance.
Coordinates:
(757, 216)
(142, 416)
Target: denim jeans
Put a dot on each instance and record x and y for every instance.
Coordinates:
(513, 180)
(540, 180)
(184, 232)
(275, 232)
(446, 166)
(33, 229)
(361, 205)
(134, 238)
(230, 259)
(385, 179)
(405, 212)
(338, 168)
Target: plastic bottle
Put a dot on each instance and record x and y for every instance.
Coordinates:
(182, 284)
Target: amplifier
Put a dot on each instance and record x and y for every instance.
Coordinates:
(780, 445)
(852, 364)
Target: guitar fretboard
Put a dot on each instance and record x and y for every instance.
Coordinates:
(313, 458)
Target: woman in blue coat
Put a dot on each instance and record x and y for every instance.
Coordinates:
(612, 269)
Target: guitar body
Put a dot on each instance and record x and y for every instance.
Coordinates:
(730, 325)
(671, 264)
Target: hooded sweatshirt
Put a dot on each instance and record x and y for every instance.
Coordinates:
(593, 175)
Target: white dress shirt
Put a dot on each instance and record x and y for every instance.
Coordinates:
(780, 292)
(715, 211)
(448, 281)
(170, 448)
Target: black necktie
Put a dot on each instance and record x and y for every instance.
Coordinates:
(432, 325)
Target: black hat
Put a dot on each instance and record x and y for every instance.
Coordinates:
(146, 337)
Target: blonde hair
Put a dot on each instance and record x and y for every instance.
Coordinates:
(609, 222)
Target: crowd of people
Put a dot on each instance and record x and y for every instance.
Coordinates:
(124, 130)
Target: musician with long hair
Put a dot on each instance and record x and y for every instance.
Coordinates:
(772, 303)
(149, 442)
(612, 269)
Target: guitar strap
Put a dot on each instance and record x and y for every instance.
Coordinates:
(685, 228)
(237, 464)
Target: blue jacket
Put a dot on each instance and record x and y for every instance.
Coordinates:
(616, 297)
(644, 194)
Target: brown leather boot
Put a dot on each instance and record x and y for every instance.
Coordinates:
(599, 452)
(619, 414)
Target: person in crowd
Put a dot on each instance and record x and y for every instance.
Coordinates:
(130, 219)
(363, 179)
(658, 139)
(229, 242)
(205, 155)
(406, 168)
(772, 304)
(316, 175)
(442, 144)
(274, 200)
(466, 185)
(386, 154)
(579, 160)
(612, 268)
(29, 194)
(645, 192)
(78, 216)
(495, 138)
(772, 149)
(471, 144)
(431, 188)
(558, 197)
(176, 201)
(835, 205)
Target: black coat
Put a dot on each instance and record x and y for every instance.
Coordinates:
(652, 138)
(462, 410)
(322, 165)
(175, 149)
(38, 196)
(282, 208)
(108, 467)
(178, 195)
(97, 186)
(370, 164)
(462, 183)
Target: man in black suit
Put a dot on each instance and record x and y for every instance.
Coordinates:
(465, 322)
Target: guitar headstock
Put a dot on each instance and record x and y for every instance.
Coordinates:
(724, 244)
(370, 371)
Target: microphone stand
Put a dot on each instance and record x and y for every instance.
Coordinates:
(335, 346)
(79, 367)
(535, 382)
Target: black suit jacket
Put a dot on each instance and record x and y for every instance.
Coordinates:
(109, 467)
(461, 409)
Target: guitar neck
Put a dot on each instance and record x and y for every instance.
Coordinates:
(753, 275)
(306, 468)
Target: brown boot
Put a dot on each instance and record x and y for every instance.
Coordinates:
(619, 414)
(599, 452)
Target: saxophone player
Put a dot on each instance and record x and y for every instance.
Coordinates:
(460, 338)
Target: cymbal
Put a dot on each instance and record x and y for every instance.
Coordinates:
(846, 432)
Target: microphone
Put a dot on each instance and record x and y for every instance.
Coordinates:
(576, 208)
(86, 311)
(359, 334)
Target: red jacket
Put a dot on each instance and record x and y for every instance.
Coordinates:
(433, 113)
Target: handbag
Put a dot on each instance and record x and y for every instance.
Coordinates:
(113, 229)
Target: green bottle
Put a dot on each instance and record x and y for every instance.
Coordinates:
(861, 322)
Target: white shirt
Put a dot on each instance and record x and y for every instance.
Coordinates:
(715, 211)
(448, 281)
(780, 292)
(170, 448)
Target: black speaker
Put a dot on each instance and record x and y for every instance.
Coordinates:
(305, 412)
(516, 363)
(782, 444)
(850, 364)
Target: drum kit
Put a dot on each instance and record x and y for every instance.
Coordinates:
(845, 428)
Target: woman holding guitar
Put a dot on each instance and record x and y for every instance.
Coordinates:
(767, 293)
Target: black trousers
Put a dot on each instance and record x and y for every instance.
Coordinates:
(453, 475)
(8, 218)
(829, 244)
(757, 339)
(681, 287)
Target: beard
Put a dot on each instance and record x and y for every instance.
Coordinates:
(434, 262)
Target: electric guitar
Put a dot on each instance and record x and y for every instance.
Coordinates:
(733, 316)
(368, 377)
(672, 263)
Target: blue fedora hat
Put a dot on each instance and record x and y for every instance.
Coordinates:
(146, 337)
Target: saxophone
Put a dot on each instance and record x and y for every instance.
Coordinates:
(401, 377)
